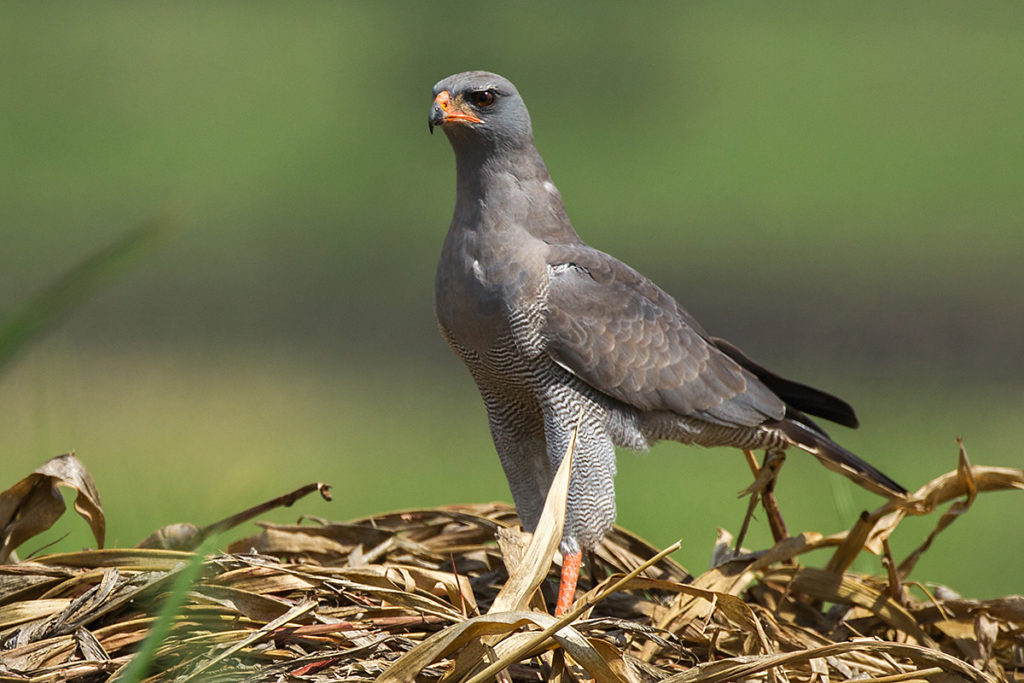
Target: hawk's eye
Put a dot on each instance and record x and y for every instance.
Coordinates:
(483, 98)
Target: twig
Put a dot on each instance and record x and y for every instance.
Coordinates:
(764, 487)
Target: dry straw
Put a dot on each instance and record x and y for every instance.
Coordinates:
(460, 594)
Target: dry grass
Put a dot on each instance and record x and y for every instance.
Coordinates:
(426, 595)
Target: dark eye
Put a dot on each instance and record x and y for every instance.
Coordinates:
(483, 98)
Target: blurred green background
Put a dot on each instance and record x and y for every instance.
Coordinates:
(836, 187)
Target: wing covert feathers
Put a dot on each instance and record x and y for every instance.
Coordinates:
(616, 330)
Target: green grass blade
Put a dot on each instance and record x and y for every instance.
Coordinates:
(76, 286)
(138, 667)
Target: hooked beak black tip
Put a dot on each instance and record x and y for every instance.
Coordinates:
(436, 117)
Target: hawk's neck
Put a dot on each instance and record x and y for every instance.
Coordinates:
(504, 189)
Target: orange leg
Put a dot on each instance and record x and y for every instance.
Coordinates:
(567, 588)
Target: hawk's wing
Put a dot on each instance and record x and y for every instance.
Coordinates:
(620, 333)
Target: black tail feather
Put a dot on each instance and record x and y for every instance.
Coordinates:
(800, 396)
(838, 459)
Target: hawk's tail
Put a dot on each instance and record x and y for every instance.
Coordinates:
(838, 459)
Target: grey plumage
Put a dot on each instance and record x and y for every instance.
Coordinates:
(549, 326)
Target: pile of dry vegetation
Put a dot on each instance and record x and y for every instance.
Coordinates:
(458, 594)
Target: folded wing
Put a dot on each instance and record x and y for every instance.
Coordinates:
(620, 333)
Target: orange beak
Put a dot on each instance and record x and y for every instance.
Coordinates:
(445, 110)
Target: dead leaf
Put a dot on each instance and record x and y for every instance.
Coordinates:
(31, 506)
(533, 568)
